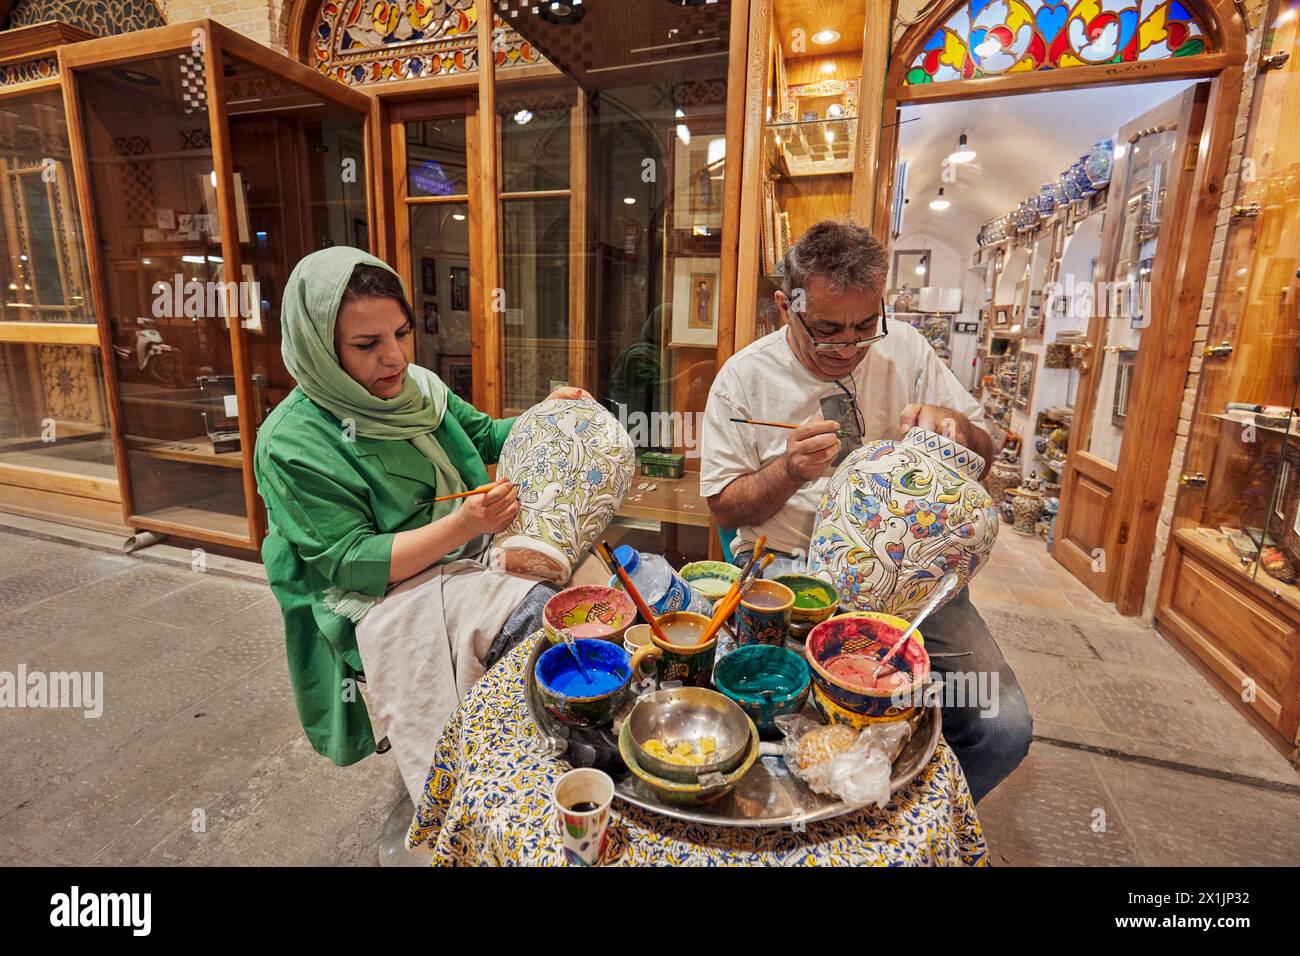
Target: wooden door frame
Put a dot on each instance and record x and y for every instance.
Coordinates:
(1162, 369)
(1104, 583)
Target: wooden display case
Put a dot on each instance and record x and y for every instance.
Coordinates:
(207, 165)
(1229, 597)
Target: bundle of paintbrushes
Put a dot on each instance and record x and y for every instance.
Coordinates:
(739, 588)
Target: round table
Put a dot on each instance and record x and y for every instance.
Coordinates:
(487, 802)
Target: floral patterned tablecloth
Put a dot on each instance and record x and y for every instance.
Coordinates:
(487, 802)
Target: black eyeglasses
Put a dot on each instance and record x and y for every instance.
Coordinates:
(837, 346)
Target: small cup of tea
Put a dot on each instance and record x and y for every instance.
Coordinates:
(582, 798)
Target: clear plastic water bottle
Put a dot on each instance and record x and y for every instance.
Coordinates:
(661, 588)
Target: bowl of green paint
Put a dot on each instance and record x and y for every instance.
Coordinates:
(814, 599)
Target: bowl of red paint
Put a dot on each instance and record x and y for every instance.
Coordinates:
(843, 651)
(588, 611)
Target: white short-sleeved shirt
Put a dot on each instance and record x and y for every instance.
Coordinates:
(766, 380)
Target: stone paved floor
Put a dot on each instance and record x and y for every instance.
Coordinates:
(198, 757)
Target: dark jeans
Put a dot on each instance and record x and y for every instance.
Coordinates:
(988, 747)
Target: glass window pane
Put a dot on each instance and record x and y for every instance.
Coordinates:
(52, 411)
(435, 157)
(440, 292)
(535, 276)
(149, 149)
(300, 178)
(43, 266)
(534, 148)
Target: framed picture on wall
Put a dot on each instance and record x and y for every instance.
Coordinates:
(1001, 316)
(459, 289)
(695, 301)
(458, 372)
(429, 276)
(697, 181)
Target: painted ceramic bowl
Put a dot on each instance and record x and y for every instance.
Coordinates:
(814, 599)
(898, 516)
(590, 610)
(854, 702)
(689, 714)
(565, 693)
(573, 463)
(712, 579)
(765, 681)
(685, 794)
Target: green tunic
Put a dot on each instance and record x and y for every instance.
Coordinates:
(332, 509)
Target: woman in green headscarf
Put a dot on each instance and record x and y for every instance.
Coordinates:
(371, 580)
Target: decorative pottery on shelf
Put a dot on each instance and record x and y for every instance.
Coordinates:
(573, 464)
(899, 515)
(1001, 476)
(1098, 163)
(1027, 506)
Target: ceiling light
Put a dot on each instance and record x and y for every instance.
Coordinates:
(828, 67)
(684, 134)
(920, 270)
(630, 200)
(458, 216)
(522, 117)
(938, 202)
(823, 37)
(963, 153)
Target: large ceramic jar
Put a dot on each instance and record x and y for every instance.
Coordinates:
(896, 517)
(1027, 506)
(1002, 475)
(1099, 161)
(573, 463)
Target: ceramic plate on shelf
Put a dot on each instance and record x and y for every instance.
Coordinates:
(768, 796)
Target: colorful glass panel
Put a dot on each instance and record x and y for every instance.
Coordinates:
(995, 37)
(373, 41)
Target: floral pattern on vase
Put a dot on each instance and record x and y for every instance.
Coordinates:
(896, 517)
(573, 464)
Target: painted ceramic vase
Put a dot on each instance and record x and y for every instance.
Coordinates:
(1098, 163)
(1001, 476)
(899, 515)
(573, 463)
(1027, 507)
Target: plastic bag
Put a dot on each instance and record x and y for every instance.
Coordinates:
(834, 763)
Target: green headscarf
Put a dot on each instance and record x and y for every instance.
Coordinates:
(308, 315)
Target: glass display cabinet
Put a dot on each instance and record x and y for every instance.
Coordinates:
(209, 166)
(56, 450)
(809, 164)
(1229, 592)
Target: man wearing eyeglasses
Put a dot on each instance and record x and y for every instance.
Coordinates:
(847, 375)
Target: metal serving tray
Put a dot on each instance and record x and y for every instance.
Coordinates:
(768, 796)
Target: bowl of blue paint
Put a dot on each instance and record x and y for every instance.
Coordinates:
(586, 696)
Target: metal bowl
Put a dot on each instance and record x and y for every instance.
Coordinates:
(670, 793)
(689, 713)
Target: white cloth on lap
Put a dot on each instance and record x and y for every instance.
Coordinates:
(422, 646)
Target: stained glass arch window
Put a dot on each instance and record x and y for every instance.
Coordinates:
(997, 37)
(372, 41)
